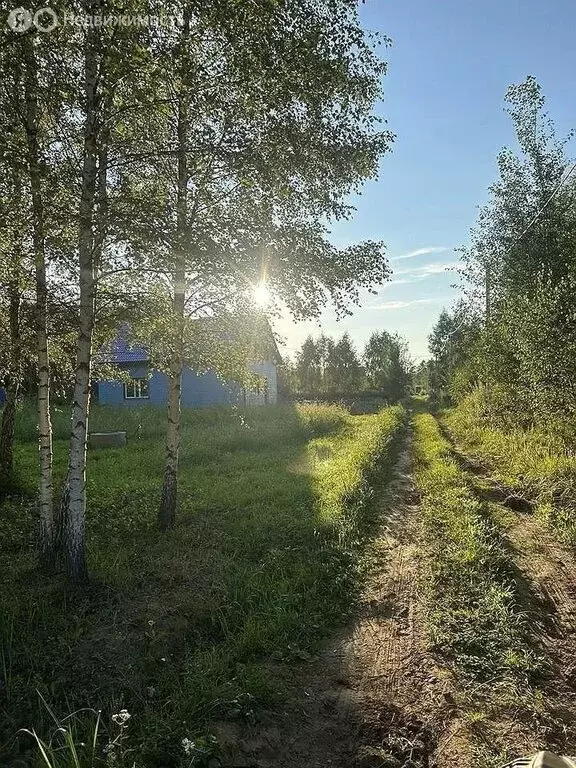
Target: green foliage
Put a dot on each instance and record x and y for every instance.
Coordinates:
(344, 366)
(328, 367)
(215, 154)
(515, 333)
(453, 344)
(183, 629)
(325, 367)
(470, 588)
(388, 366)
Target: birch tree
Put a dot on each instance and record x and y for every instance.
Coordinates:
(210, 154)
(167, 511)
(520, 273)
(12, 280)
(270, 127)
(34, 80)
(12, 260)
(388, 366)
(115, 86)
(76, 511)
(32, 124)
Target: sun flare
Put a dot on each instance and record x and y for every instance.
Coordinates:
(261, 294)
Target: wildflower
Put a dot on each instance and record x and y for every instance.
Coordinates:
(122, 717)
(110, 754)
(188, 746)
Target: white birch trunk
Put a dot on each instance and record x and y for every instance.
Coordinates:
(74, 544)
(45, 494)
(167, 511)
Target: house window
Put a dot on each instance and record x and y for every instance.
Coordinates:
(136, 388)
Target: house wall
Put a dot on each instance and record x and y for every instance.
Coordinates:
(267, 369)
(112, 392)
(198, 389)
(203, 389)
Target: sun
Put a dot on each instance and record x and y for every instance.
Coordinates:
(261, 294)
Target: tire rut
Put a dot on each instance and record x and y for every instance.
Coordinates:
(545, 576)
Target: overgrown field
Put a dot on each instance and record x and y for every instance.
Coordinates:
(185, 628)
(535, 462)
(475, 623)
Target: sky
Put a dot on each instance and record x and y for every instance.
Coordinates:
(449, 66)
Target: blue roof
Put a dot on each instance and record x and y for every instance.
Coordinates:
(119, 351)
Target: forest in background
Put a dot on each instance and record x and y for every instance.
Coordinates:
(327, 367)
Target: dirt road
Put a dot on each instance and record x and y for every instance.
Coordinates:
(375, 697)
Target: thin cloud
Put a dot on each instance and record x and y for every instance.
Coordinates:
(392, 305)
(406, 280)
(418, 273)
(421, 252)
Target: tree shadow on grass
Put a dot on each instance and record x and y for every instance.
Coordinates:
(175, 628)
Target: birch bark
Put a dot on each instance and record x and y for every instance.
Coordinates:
(167, 511)
(74, 544)
(45, 490)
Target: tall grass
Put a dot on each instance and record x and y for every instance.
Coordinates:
(535, 462)
(150, 421)
(274, 507)
(471, 595)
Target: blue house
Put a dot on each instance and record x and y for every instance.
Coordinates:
(150, 387)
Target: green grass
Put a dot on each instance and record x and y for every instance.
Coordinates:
(182, 628)
(475, 621)
(535, 462)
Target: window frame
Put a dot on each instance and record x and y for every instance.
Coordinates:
(136, 385)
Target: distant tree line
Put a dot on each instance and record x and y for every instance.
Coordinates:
(511, 341)
(331, 367)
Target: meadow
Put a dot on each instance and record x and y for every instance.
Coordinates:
(184, 628)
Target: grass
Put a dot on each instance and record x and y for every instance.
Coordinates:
(534, 462)
(184, 628)
(475, 622)
(478, 608)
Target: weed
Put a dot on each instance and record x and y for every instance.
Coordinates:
(473, 610)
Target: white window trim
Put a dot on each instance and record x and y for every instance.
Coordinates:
(136, 383)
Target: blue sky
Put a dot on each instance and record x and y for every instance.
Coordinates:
(448, 69)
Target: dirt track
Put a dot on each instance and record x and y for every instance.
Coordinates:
(373, 697)
(545, 577)
(376, 699)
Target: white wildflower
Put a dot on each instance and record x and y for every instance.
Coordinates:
(122, 717)
(188, 746)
